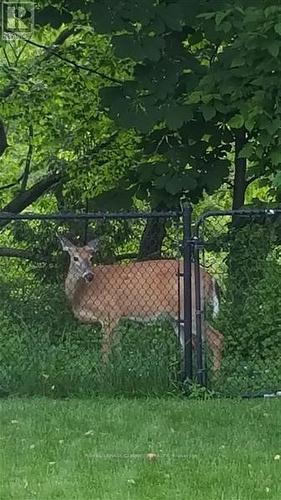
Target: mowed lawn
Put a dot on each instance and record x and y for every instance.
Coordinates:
(140, 449)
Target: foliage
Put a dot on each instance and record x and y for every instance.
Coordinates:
(250, 312)
(194, 84)
(183, 76)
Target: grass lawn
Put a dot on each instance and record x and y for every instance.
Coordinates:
(104, 449)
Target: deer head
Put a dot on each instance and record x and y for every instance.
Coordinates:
(80, 258)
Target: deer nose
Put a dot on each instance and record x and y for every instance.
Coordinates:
(88, 277)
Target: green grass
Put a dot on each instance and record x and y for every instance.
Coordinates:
(97, 449)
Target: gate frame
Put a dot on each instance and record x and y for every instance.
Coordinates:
(200, 244)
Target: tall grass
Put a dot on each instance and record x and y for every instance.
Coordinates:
(45, 351)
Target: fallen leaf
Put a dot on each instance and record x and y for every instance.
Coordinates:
(89, 433)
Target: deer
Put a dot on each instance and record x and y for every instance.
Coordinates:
(142, 291)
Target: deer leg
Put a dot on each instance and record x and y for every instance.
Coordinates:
(179, 332)
(215, 341)
(107, 341)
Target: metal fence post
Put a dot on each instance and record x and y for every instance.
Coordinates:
(200, 368)
(187, 293)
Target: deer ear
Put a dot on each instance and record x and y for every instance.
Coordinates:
(93, 245)
(65, 243)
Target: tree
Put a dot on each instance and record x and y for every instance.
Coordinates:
(180, 88)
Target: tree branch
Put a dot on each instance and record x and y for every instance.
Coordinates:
(6, 56)
(239, 186)
(12, 184)
(69, 61)
(29, 196)
(251, 179)
(3, 138)
(22, 254)
(26, 198)
(50, 51)
(26, 171)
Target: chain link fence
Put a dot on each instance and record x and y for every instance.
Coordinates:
(242, 250)
(115, 303)
(90, 304)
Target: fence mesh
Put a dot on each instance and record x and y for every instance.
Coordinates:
(89, 306)
(243, 253)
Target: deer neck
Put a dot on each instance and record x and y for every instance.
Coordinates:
(75, 286)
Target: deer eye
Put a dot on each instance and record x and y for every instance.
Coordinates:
(76, 259)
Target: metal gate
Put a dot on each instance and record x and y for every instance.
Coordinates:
(241, 250)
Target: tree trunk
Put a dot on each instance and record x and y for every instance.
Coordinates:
(25, 198)
(240, 185)
(236, 258)
(152, 238)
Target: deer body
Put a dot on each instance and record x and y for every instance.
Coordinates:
(142, 291)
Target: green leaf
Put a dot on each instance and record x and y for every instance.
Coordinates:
(146, 172)
(236, 121)
(172, 15)
(101, 18)
(265, 138)
(238, 61)
(140, 11)
(272, 10)
(277, 28)
(115, 199)
(111, 95)
(276, 182)
(188, 182)
(250, 123)
(161, 168)
(152, 47)
(220, 16)
(209, 112)
(246, 151)
(174, 186)
(273, 48)
(207, 15)
(195, 38)
(51, 15)
(194, 97)
(176, 115)
(226, 27)
(127, 46)
(275, 156)
(163, 181)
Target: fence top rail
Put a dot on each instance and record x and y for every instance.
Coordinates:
(247, 212)
(6, 216)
